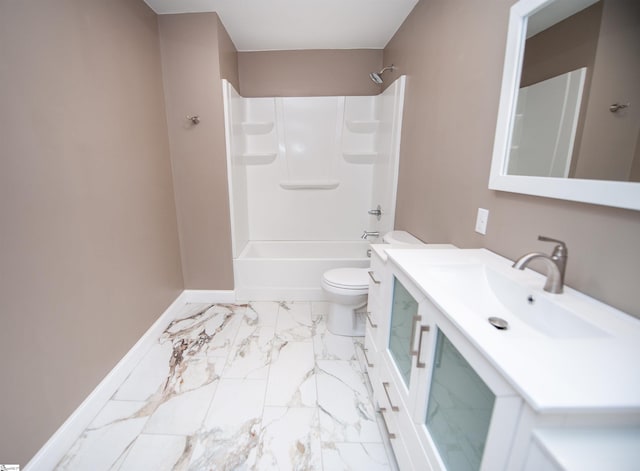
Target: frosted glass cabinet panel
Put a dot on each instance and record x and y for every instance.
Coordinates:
(404, 311)
(460, 408)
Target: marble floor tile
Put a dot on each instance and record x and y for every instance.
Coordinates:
(182, 414)
(294, 321)
(261, 386)
(346, 411)
(230, 435)
(206, 451)
(266, 311)
(107, 438)
(251, 352)
(355, 457)
(236, 403)
(155, 452)
(292, 379)
(210, 330)
(329, 346)
(289, 440)
(148, 376)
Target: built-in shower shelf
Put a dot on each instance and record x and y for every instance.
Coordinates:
(257, 158)
(362, 127)
(257, 127)
(360, 157)
(309, 184)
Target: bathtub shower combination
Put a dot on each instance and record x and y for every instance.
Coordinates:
(305, 174)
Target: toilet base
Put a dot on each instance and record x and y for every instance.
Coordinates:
(345, 320)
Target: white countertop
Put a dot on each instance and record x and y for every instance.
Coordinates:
(597, 449)
(381, 249)
(566, 375)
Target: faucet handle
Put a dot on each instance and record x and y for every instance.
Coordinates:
(558, 250)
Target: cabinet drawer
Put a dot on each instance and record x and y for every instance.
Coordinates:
(400, 451)
(389, 417)
(407, 449)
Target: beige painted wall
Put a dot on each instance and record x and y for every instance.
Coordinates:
(309, 73)
(196, 54)
(453, 52)
(88, 244)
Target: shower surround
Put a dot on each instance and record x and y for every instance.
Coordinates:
(305, 172)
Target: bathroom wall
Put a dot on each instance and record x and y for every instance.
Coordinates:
(308, 73)
(196, 54)
(89, 245)
(453, 53)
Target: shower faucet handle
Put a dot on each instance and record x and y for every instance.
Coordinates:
(376, 212)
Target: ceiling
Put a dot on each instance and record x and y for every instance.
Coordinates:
(271, 25)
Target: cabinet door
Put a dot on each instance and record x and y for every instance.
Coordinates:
(468, 413)
(404, 327)
(404, 316)
(460, 405)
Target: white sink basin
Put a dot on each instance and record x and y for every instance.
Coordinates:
(490, 293)
(564, 353)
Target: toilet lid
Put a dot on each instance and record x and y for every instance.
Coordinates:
(348, 278)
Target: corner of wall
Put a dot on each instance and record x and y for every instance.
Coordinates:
(227, 56)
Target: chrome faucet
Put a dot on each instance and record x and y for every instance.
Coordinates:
(556, 264)
(367, 234)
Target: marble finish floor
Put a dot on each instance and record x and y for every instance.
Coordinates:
(262, 386)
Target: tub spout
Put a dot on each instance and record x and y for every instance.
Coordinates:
(367, 234)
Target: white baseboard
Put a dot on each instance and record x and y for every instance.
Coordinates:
(209, 296)
(54, 450)
(280, 294)
(60, 442)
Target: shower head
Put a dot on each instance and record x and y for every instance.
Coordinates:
(377, 76)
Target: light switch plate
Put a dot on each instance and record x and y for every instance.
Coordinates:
(481, 220)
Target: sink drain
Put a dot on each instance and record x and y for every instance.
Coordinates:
(498, 323)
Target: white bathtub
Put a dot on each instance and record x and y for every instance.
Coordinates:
(291, 270)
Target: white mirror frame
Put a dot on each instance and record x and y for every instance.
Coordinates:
(608, 193)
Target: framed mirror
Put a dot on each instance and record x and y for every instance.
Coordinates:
(569, 118)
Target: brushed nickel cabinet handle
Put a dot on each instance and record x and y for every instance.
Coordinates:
(366, 358)
(373, 326)
(389, 434)
(385, 385)
(370, 272)
(414, 323)
(423, 329)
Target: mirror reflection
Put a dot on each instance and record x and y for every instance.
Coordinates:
(578, 107)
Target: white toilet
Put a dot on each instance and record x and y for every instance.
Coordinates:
(346, 290)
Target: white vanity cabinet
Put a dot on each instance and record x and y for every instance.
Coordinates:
(456, 393)
(441, 400)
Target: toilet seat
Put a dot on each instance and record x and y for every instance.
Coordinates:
(355, 279)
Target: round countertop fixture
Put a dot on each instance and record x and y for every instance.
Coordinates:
(499, 323)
